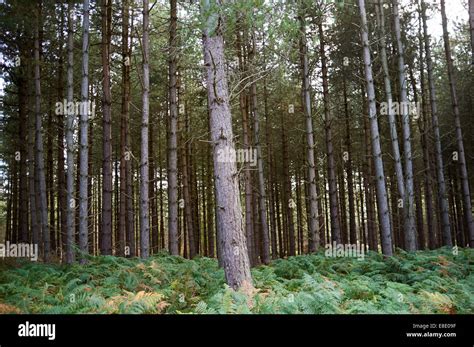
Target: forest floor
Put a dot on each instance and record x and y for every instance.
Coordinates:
(422, 282)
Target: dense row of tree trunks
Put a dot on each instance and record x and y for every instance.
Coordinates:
(442, 194)
(246, 143)
(152, 193)
(187, 190)
(388, 94)
(424, 126)
(39, 152)
(288, 201)
(466, 194)
(313, 223)
(23, 150)
(382, 197)
(70, 193)
(333, 198)
(409, 198)
(60, 126)
(349, 169)
(262, 196)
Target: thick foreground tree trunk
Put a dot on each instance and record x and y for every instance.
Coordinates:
(229, 212)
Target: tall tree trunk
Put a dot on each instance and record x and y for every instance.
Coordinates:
(342, 204)
(419, 217)
(249, 222)
(265, 255)
(172, 139)
(125, 221)
(14, 177)
(409, 201)
(442, 195)
(93, 192)
(43, 207)
(382, 199)
(313, 223)
(70, 194)
(61, 176)
(50, 176)
(23, 146)
(229, 214)
(423, 125)
(288, 202)
(162, 212)
(34, 214)
(299, 214)
(368, 180)
(186, 179)
(8, 228)
(210, 206)
(388, 94)
(333, 199)
(152, 191)
(273, 226)
(144, 201)
(467, 206)
(84, 143)
(105, 238)
(348, 160)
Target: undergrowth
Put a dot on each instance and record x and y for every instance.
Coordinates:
(420, 282)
